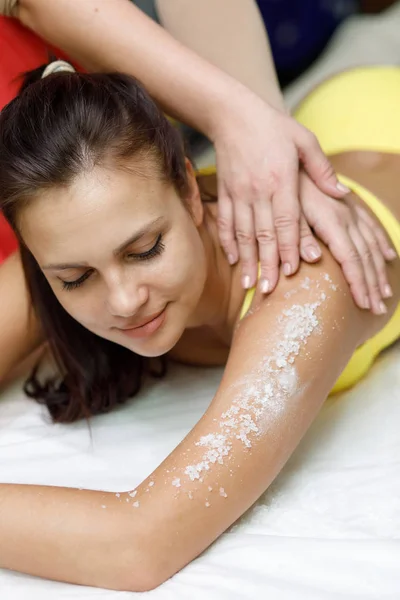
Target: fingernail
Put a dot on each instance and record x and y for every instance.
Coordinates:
(387, 290)
(342, 188)
(382, 308)
(264, 285)
(287, 269)
(391, 254)
(367, 303)
(313, 253)
(246, 282)
(231, 259)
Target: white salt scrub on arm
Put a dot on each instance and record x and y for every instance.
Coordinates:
(282, 365)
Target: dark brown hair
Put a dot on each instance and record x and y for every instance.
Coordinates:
(57, 128)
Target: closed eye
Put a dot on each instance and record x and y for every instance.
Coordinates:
(72, 285)
(156, 250)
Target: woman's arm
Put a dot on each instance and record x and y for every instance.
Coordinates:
(216, 31)
(283, 363)
(257, 147)
(178, 75)
(20, 333)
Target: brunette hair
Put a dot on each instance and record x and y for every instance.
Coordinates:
(56, 129)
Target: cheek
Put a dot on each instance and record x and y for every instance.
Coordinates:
(184, 266)
(82, 307)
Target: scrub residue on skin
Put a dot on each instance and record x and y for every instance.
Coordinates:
(262, 396)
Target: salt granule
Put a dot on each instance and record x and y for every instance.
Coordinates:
(176, 482)
(103, 506)
(136, 504)
(207, 504)
(132, 494)
(217, 447)
(332, 285)
(264, 393)
(118, 495)
(222, 492)
(151, 483)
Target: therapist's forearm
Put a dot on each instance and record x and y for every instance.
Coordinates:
(112, 35)
(66, 534)
(231, 35)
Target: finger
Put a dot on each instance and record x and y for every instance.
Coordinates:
(310, 250)
(245, 235)
(385, 245)
(267, 246)
(377, 306)
(286, 219)
(380, 265)
(317, 164)
(344, 251)
(226, 228)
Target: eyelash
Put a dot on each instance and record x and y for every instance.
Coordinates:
(156, 250)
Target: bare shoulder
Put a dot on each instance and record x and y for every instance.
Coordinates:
(313, 309)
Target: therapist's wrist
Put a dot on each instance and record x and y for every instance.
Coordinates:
(234, 109)
(226, 107)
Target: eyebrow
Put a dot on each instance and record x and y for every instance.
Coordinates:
(134, 238)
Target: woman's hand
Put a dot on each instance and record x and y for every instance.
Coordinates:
(258, 150)
(356, 240)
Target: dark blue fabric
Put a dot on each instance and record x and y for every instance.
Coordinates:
(299, 29)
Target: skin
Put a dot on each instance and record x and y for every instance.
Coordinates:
(220, 78)
(126, 546)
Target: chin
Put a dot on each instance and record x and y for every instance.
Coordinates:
(150, 350)
(155, 345)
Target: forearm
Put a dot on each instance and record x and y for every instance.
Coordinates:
(231, 35)
(65, 534)
(109, 35)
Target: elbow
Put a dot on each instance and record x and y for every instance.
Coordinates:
(148, 580)
(127, 576)
(143, 570)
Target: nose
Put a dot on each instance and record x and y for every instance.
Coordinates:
(125, 298)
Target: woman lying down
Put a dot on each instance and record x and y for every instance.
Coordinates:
(119, 246)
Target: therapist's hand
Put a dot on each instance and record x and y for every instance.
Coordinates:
(356, 240)
(258, 151)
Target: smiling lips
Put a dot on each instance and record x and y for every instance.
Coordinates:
(148, 327)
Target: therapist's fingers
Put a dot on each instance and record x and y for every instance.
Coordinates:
(286, 218)
(378, 307)
(383, 241)
(310, 250)
(377, 257)
(267, 247)
(226, 228)
(246, 240)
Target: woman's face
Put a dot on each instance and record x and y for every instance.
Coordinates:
(123, 255)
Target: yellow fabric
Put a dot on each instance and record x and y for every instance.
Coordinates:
(211, 170)
(365, 355)
(359, 109)
(356, 110)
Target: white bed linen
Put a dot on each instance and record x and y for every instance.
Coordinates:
(329, 526)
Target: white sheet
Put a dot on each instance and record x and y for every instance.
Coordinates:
(328, 528)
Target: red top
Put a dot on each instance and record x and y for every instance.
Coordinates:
(20, 51)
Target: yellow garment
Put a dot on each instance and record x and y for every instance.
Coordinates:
(358, 110)
(364, 356)
(355, 110)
